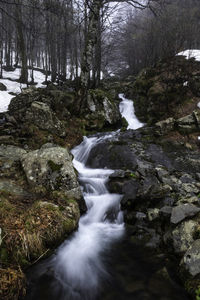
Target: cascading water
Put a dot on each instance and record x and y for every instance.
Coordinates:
(79, 270)
(79, 261)
(128, 112)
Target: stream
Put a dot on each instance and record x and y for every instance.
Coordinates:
(99, 261)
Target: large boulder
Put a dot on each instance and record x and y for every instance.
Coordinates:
(191, 259)
(183, 211)
(101, 110)
(52, 169)
(40, 115)
(183, 236)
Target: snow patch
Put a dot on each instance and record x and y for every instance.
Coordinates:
(191, 53)
(198, 104)
(15, 87)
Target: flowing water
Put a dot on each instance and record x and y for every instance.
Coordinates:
(82, 268)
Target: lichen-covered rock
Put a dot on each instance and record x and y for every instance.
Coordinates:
(183, 236)
(189, 123)
(40, 115)
(11, 152)
(191, 259)
(51, 168)
(102, 110)
(165, 126)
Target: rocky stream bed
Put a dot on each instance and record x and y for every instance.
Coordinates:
(156, 169)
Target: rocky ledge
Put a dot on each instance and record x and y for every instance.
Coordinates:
(159, 180)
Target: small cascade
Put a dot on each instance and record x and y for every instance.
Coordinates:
(128, 112)
(79, 261)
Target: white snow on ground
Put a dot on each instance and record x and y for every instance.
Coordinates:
(16, 87)
(198, 104)
(191, 53)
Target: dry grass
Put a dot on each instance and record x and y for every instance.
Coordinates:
(12, 284)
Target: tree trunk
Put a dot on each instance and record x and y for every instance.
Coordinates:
(21, 43)
(90, 43)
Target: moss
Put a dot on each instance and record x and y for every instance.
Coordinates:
(124, 124)
(54, 167)
(197, 292)
(133, 175)
(4, 255)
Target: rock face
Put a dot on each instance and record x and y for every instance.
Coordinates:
(102, 110)
(160, 92)
(51, 168)
(160, 187)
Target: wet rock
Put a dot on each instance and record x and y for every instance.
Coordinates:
(51, 168)
(191, 259)
(183, 211)
(182, 236)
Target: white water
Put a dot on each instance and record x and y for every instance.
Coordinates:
(127, 111)
(79, 263)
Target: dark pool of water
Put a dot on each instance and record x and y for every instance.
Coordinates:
(134, 273)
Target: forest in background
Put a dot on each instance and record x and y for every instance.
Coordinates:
(51, 35)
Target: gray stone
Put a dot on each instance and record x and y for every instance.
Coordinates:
(153, 214)
(40, 115)
(166, 211)
(182, 236)
(165, 126)
(53, 169)
(191, 259)
(11, 152)
(10, 187)
(186, 120)
(140, 215)
(183, 211)
(190, 188)
(162, 173)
